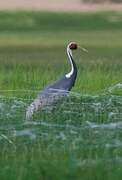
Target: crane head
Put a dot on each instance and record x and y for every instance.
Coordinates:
(73, 46)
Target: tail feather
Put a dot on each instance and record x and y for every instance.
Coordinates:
(34, 106)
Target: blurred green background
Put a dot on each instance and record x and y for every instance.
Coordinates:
(33, 49)
(83, 140)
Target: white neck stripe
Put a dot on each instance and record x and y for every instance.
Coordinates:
(69, 53)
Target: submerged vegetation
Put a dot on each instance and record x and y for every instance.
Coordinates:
(79, 137)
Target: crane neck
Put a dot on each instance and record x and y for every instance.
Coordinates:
(72, 63)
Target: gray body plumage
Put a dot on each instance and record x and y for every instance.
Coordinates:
(55, 91)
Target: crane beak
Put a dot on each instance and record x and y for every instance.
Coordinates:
(83, 49)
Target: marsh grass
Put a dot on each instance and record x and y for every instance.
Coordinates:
(34, 67)
(81, 136)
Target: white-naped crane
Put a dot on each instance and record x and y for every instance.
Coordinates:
(58, 89)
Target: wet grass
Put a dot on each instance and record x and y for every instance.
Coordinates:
(81, 137)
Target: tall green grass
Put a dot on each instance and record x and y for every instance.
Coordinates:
(34, 67)
(33, 47)
(32, 55)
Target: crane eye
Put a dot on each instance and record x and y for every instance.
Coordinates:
(73, 46)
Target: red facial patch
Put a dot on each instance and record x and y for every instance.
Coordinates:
(73, 46)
